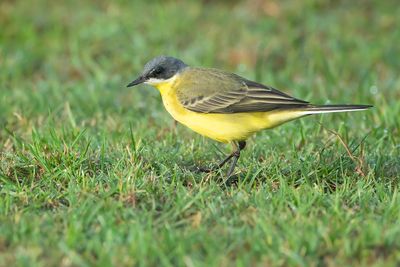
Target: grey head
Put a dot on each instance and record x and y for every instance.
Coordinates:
(158, 69)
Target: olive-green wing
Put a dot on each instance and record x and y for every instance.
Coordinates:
(215, 91)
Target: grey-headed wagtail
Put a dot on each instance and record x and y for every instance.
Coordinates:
(224, 106)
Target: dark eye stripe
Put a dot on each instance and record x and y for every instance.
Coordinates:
(157, 71)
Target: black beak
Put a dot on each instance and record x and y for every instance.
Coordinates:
(139, 80)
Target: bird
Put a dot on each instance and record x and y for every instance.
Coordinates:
(224, 106)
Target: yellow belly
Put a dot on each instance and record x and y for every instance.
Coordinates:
(223, 127)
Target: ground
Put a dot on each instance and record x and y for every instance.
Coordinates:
(96, 174)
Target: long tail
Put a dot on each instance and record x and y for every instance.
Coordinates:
(332, 108)
(284, 115)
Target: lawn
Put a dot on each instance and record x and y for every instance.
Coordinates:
(96, 174)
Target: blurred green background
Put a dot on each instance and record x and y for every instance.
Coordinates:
(90, 171)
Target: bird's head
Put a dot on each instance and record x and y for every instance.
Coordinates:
(159, 70)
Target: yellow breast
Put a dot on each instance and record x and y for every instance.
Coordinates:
(220, 127)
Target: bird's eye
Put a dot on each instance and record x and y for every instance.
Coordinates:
(157, 71)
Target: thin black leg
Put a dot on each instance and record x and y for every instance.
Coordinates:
(235, 155)
(218, 166)
(241, 145)
(233, 164)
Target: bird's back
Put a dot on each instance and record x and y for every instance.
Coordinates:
(215, 91)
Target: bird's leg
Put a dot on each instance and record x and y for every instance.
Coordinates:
(218, 166)
(236, 154)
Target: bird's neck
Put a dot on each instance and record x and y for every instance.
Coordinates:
(166, 86)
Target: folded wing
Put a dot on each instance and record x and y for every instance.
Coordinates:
(233, 94)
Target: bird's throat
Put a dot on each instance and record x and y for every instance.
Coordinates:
(165, 86)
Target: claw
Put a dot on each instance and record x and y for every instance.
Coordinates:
(235, 155)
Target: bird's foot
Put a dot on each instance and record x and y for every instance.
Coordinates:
(199, 169)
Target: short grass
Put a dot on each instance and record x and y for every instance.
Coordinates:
(94, 174)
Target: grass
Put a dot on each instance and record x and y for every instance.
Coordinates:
(91, 172)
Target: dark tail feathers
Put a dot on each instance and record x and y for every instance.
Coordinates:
(334, 108)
